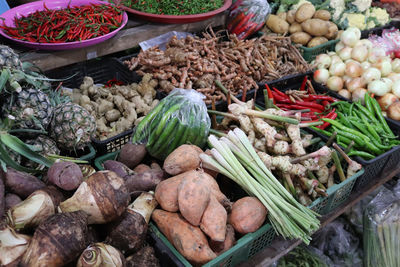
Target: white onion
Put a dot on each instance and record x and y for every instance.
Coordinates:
(339, 47)
(345, 93)
(353, 69)
(355, 83)
(371, 74)
(378, 87)
(394, 76)
(386, 100)
(335, 59)
(389, 83)
(396, 65)
(345, 53)
(365, 65)
(349, 37)
(356, 31)
(364, 42)
(358, 94)
(323, 61)
(375, 54)
(346, 79)
(393, 111)
(396, 88)
(384, 65)
(321, 76)
(335, 83)
(359, 53)
(337, 69)
(331, 53)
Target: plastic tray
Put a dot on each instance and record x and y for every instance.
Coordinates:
(101, 70)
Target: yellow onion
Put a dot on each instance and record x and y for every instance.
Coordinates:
(345, 93)
(101, 255)
(386, 100)
(393, 111)
(12, 246)
(358, 94)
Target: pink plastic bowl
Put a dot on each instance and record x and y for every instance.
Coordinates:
(29, 8)
(178, 19)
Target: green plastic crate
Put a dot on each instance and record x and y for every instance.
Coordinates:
(309, 54)
(89, 156)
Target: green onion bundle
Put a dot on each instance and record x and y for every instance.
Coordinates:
(235, 157)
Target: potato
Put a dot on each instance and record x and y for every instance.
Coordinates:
(295, 27)
(322, 14)
(332, 31)
(316, 41)
(304, 12)
(315, 27)
(300, 38)
(282, 15)
(290, 16)
(277, 25)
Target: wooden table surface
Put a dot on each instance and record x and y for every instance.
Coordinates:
(133, 33)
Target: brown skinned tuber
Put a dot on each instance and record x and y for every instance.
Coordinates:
(36, 208)
(118, 167)
(20, 183)
(103, 196)
(66, 175)
(247, 215)
(57, 241)
(12, 246)
(12, 200)
(144, 181)
(132, 154)
(101, 255)
(129, 233)
(144, 257)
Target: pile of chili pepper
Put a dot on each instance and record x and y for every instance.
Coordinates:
(319, 105)
(364, 125)
(76, 23)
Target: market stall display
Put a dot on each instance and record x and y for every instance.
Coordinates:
(58, 25)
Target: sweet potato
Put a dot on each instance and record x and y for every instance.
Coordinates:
(166, 192)
(304, 12)
(141, 168)
(12, 200)
(66, 175)
(213, 222)
(214, 187)
(187, 239)
(193, 197)
(132, 154)
(221, 247)
(332, 31)
(182, 159)
(144, 181)
(2, 198)
(248, 214)
(118, 167)
(20, 183)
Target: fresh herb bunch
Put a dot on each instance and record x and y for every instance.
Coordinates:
(174, 7)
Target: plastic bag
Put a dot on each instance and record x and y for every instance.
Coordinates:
(180, 118)
(162, 40)
(247, 17)
(337, 241)
(384, 43)
(382, 230)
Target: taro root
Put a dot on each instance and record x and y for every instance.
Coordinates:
(12, 246)
(129, 233)
(144, 257)
(101, 255)
(86, 170)
(21, 183)
(57, 241)
(132, 154)
(103, 196)
(2, 198)
(35, 209)
(65, 175)
(12, 200)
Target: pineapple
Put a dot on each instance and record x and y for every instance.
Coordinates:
(9, 58)
(31, 109)
(72, 126)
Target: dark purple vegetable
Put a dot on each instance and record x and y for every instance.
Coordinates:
(12, 200)
(65, 175)
(144, 257)
(119, 168)
(131, 154)
(145, 181)
(20, 183)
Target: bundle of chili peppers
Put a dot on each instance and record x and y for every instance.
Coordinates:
(319, 105)
(71, 24)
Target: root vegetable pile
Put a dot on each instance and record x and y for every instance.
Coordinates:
(195, 63)
(117, 108)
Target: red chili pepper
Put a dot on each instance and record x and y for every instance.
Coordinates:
(303, 84)
(279, 92)
(242, 24)
(331, 115)
(311, 105)
(270, 95)
(320, 97)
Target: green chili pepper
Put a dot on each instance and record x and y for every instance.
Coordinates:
(362, 154)
(346, 129)
(378, 113)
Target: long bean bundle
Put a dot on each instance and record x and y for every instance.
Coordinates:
(234, 157)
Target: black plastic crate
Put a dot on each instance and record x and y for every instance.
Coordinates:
(374, 167)
(378, 30)
(101, 70)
